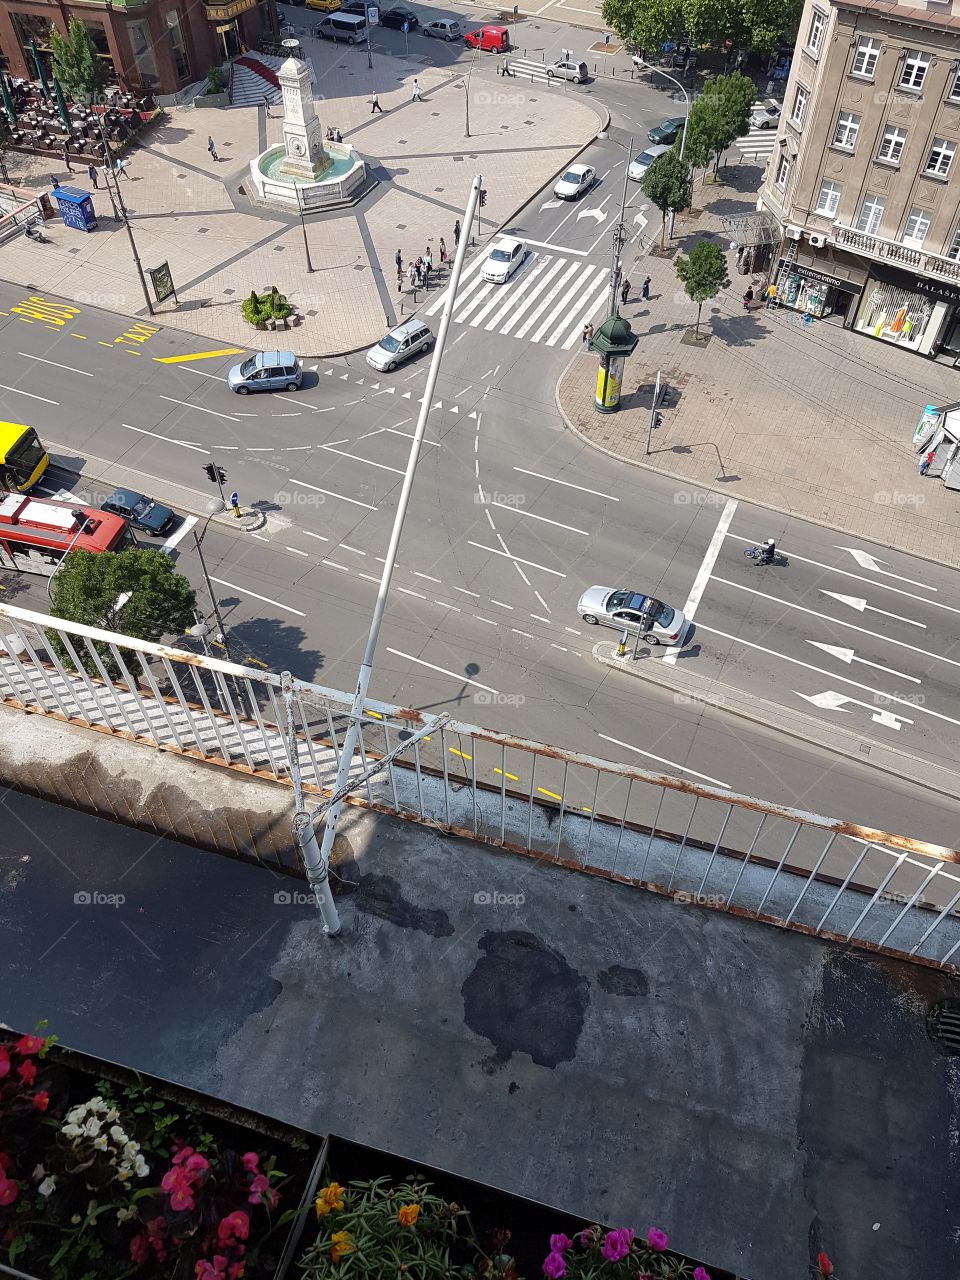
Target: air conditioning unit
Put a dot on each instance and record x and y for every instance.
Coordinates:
(817, 238)
(793, 233)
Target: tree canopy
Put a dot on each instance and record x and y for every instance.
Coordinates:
(719, 116)
(80, 72)
(750, 24)
(668, 184)
(703, 274)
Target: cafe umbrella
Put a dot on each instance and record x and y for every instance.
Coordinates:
(40, 72)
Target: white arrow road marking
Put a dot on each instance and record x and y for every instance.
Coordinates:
(550, 204)
(592, 213)
(859, 603)
(706, 568)
(848, 656)
(831, 701)
(866, 561)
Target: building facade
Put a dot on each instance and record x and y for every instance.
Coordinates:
(151, 46)
(865, 178)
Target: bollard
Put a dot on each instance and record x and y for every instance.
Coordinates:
(622, 646)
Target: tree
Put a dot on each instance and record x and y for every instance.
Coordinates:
(644, 23)
(719, 116)
(75, 64)
(703, 274)
(89, 588)
(668, 184)
(750, 24)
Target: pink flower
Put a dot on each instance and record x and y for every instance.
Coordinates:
(205, 1271)
(139, 1249)
(657, 1240)
(27, 1072)
(178, 1184)
(701, 1273)
(4, 1063)
(258, 1185)
(235, 1226)
(616, 1244)
(197, 1163)
(182, 1154)
(554, 1266)
(235, 1270)
(9, 1190)
(28, 1044)
(560, 1243)
(41, 1100)
(250, 1160)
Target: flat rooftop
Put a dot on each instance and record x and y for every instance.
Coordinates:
(756, 1093)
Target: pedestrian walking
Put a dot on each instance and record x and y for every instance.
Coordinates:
(417, 95)
(456, 233)
(66, 157)
(398, 259)
(927, 462)
(624, 290)
(443, 252)
(505, 68)
(747, 299)
(412, 275)
(399, 279)
(92, 175)
(120, 168)
(375, 103)
(587, 336)
(419, 266)
(428, 258)
(213, 150)
(645, 290)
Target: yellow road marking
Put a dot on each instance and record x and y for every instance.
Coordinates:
(256, 662)
(25, 320)
(376, 715)
(200, 355)
(512, 776)
(81, 336)
(131, 352)
(137, 333)
(40, 309)
(552, 794)
(462, 754)
(105, 344)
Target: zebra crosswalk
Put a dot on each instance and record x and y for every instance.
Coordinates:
(548, 300)
(530, 69)
(758, 144)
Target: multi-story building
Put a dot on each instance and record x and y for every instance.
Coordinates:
(865, 177)
(157, 46)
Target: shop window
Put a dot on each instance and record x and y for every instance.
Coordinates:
(865, 58)
(871, 213)
(828, 199)
(954, 250)
(783, 171)
(180, 60)
(891, 144)
(799, 105)
(98, 37)
(915, 67)
(142, 50)
(909, 319)
(941, 157)
(818, 24)
(916, 228)
(848, 126)
(29, 27)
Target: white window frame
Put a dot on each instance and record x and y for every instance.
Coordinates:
(849, 123)
(914, 70)
(954, 251)
(870, 224)
(921, 220)
(801, 97)
(940, 158)
(954, 94)
(782, 176)
(869, 50)
(828, 208)
(894, 139)
(818, 27)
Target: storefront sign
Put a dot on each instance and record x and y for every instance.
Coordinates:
(226, 12)
(808, 273)
(916, 284)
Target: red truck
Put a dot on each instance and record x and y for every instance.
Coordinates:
(490, 39)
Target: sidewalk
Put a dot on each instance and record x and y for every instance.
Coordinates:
(190, 211)
(814, 421)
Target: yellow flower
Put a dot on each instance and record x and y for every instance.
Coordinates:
(340, 1243)
(329, 1199)
(407, 1214)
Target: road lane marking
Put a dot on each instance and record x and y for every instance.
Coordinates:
(497, 552)
(316, 535)
(356, 458)
(543, 602)
(849, 655)
(489, 621)
(428, 577)
(552, 794)
(452, 607)
(407, 592)
(866, 561)
(69, 367)
(501, 604)
(202, 373)
(332, 564)
(397, 653)
(185, 444)
(531, 516)
(670, 763)
(29, 394)
(511, 776)
(526, 634)
(200, 355)
(356, 550)
(860, 604)
(330, 494)
(464, 591)
(537, 618)
(297, 552)
(175, 538)
(232, 417)
(266, 599)
(553, 480)
(703, 576)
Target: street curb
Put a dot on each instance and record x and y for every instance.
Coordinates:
(791, 724)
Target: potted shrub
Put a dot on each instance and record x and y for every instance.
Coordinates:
(253, 311)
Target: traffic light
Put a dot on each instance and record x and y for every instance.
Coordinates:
(215, 474)
(483, 197)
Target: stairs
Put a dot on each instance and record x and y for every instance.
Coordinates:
(255, 78)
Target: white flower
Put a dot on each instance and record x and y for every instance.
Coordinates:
(140, 1167)
(48, 1186)
(92, 1127)
(101, 1142)
(130, 1149)
(71, 1131)
(75, 1114)
(76, 1219)
(123, 1175)
(124, 1215)
(38, 1173)
(112, 1115)
(117, 1134)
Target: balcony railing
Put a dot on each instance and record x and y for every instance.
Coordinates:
(918, 260)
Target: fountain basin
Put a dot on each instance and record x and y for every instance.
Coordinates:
(340, 181)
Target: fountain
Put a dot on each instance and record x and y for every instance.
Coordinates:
(305, 172)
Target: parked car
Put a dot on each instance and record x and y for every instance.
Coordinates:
(328, 6)
(442, 29)
(395, 18)
(353, 6)
(640, 164)
(568, 69)
(667, 131)
(141, 512)
(266, 371)
(490, 39)
(766, 116)
(351, 27)
(577, 179)
(406, 340)
(503, 259)
(621, 608)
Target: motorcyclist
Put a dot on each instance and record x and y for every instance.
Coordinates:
(768, 552)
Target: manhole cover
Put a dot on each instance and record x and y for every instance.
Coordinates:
(943, 1025)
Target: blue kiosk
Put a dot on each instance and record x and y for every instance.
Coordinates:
(76, 208)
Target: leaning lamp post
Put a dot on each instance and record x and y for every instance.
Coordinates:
(614, 340)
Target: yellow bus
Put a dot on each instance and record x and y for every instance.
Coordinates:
(23, 459)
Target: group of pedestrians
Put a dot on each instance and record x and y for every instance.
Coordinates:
(419, 270)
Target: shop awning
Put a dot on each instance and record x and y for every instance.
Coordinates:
(227, 12)
(752, 229)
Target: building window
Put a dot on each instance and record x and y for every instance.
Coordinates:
(914, 70)
(865, 58)
(828, 199)
(783, 171)
(799, 105)
(180, 60)
(142, 50)
(848, 126)
(818, 24)
(954, 250)
(916, 228)
(871, 211)
(955, 89)
(941, 157)
(891, 144)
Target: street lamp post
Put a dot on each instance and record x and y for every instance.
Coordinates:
(303, 228)
(466, 97)
(686, 118)
(84, 521)
(222, 630)
(316, 859)
(619, 236)
(118, 204)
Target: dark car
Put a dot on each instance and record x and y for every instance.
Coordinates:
(667, 131)
(140, 511)
(353, 6)
(397, 17)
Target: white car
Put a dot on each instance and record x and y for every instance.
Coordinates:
(641, 163)
(765, 117)
(577, 179)
(503, 259)
(632, 611)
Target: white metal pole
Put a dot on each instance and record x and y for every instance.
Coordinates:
(317, 859)
(686, 121)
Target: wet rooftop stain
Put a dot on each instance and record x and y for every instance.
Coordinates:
(621, 981)
(382, 896)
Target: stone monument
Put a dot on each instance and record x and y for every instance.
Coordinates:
(305, 159)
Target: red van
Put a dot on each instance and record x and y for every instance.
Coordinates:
(490, 39)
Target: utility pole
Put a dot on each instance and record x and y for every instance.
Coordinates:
(686, 121)
(619, 237)
(118, 204)
(222, 630)
(317, 859)
(303, 225)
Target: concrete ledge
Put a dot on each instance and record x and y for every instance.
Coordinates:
(694, 688)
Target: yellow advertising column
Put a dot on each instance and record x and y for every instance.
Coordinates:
(614, 341)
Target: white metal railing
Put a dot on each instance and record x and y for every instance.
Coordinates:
(931, 264)
(695, 843)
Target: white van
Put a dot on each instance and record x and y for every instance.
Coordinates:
(351, 27)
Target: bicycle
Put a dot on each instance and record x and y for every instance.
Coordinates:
(759, 557)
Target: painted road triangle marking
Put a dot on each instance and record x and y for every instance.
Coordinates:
(199, 355)
(438, 405)
(455, 409)
(374, 386)
(406, 395)
(328, 372)
(344, 377)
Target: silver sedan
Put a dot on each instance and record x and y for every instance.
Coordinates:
(622, 608)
